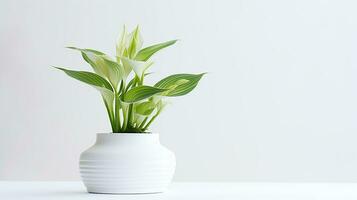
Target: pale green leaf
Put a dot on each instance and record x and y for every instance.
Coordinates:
(103, 65)
(161, 105)
(121, 43)
(179, 84)
(135, 42)
(116, 71)
(92, 57)
(139, 118)
(139, 67)
(146, 53)
(108, 96)
(145, 108)
(87, 50)
(85, 53)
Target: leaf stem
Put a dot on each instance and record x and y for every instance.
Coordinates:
(126, 116)
(117, 114)
(143, 123)
(110, 114)
(130, 113)
(125, 120)
(151, 120)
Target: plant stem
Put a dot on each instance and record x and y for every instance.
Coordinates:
(111, 115)
(151, 120)
(126, 115)
(143, 123)
(125, 121)
(117, 114)
(130, 110)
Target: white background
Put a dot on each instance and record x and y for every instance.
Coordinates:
(278, 103)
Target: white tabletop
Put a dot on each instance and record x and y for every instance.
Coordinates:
(186, 191)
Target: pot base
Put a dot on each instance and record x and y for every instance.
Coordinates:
(125, 192)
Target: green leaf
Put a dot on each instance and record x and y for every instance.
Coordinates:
(88, 77)
(98, 82)
(146, 53)
(140, 93)
(131, 83)
(179, 84)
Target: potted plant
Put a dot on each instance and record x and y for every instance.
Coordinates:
(130, 159)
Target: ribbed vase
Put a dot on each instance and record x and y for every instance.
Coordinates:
(127, 163)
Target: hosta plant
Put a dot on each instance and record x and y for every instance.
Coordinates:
(131, 104)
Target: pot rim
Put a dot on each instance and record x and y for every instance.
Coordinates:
(147, 133)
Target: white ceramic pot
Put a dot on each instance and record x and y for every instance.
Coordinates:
(127, 163)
